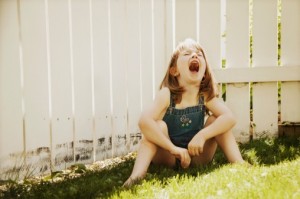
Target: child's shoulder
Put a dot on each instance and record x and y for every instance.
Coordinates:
(164, 94)
(165, 91)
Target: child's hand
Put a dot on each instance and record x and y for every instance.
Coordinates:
(183, 155)
(196, 145)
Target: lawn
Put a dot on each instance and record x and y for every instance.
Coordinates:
(275, 173)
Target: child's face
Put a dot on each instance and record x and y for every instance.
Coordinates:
(191, 66)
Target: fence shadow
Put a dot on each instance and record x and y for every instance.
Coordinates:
(108, 182)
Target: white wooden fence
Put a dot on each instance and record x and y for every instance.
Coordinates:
(75, 74)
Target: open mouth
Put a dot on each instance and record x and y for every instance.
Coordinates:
(194, 66)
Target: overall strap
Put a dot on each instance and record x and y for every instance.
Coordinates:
(201, 100)
(172, 104)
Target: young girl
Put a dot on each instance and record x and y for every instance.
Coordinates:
(173, 126)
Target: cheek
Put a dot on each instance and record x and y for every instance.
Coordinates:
(203, 68)
(180, 65)
(180, 62)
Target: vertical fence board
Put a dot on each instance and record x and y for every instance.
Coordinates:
(146, 52)
(119, 79)
(290, 103)
(59, 40)
(134, 81)
(33, 30)
(102, 79)
(265, 100)
(83, 142)
(290, 56)
(160, 61)
(210, 31)
(186, 20)
(169, 23)
(11, 128)
(237, 43)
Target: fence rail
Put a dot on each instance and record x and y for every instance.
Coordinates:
(75, 74)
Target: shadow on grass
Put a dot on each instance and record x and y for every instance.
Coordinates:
(109, 182)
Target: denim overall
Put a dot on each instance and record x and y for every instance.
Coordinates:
(183, 124)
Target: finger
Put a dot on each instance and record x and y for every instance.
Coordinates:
(190, 151)
(200, 150)
(197, 152)
(185, 163)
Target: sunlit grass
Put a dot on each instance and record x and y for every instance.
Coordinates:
(275, 173)
(228, 181)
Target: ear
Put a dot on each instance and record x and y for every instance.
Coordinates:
(173, 71)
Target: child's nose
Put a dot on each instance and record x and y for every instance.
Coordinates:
(194, 55)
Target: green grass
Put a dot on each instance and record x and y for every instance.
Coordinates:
(275, 174)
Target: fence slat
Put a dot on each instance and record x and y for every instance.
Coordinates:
(237, 42)
(210, 31)
(161, 57)
(37, 128)
(103, 117)
(169, 23)
(146, 53)
(62, 125)
(290, 56)
(265, 97)
(134, 81)
(11, 127)
(81, 54)
(119, 73)
(186, 20)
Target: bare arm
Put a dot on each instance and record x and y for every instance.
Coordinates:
(148, 124)
(152, 132)
(224, 122)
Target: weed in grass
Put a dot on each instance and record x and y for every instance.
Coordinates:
(20, 171)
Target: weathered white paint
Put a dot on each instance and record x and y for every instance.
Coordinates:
(290, 56)
(36, 93)
(119, 75)
(134, 81)
(60, 64)
(237, 43)
(265, 102)
(11, 116)
(81, 54)
(103, 115)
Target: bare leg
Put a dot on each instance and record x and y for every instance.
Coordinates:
(209, 149)
(148, 152)
(227, 143)
(229, 146)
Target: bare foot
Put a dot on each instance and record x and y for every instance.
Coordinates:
(131, 181)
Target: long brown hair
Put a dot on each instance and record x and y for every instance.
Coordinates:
(207, 85)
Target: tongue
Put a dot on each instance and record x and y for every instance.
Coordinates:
(194, 67)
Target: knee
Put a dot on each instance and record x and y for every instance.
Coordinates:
(144, 142)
